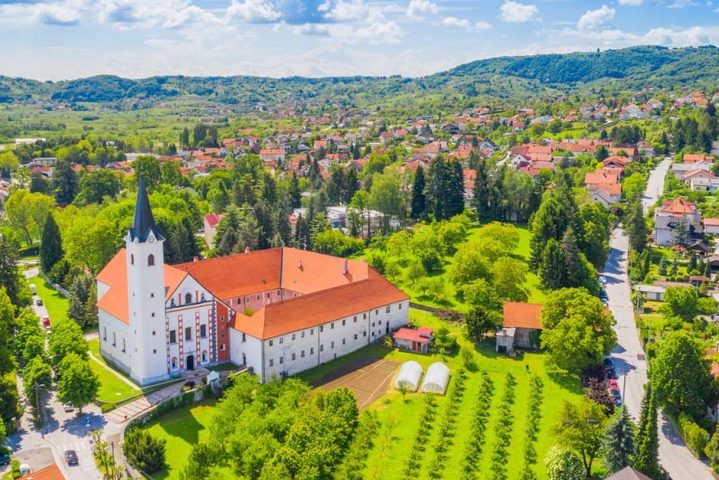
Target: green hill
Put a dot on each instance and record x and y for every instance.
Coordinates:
(504, 77)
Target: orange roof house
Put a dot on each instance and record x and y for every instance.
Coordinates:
(51, 472)
(522, 315)
(521, 323)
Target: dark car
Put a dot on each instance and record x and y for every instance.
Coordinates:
(617, 398)
(608, 362)
(71, 457)
(4, 458)
(38, 302)
(612, 374)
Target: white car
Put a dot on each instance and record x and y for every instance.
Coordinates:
(603, 280)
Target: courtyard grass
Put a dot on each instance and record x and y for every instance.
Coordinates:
(112, 388)
(57, 305)
(181, 428)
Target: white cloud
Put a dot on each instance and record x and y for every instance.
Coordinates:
(253, 11)
(348, 11)
(595, 19)
(465, 24)
(481, 26)
(419, 8)
(456, 22)
(688, 37)
(515, 12)
(631, 3)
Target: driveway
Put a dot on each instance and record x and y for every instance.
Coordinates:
(629, 357)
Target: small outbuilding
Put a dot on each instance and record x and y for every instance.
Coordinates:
(413, 340)
(653, 292)
(408, 377)
(628, 473)
(436, 379)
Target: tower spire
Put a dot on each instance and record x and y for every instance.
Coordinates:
(144, 223)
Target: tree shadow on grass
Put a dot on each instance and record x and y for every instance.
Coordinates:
(566, 380)
(186, 428)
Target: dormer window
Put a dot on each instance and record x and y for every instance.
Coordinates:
(150, 260)
(188, 298)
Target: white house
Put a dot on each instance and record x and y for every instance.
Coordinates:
(670, 215)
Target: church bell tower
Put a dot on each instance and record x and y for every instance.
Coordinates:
(146, 294)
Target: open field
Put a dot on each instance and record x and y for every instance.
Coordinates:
(367, 377)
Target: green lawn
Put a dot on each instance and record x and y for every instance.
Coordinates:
(181, 428)
(112, 388)
(56, 304)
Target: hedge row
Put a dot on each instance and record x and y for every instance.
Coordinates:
(694, 435)
(503, 431)
(446, 427)
(477, 434)
(534, 415)
(424, 430)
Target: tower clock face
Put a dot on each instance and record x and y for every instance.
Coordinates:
(151, 239)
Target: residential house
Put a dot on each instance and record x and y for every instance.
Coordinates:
(670, 215)
(654, 293)
(701, 180)
(521, 326)
(711, 226)
(628, 473)
(413, 340)
(210, 222)
(604, 186)
(681, 169)
(697, 158)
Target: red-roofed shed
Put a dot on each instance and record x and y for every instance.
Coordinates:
(414, 340)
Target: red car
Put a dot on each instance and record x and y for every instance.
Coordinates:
(613, 385)
(45, 322)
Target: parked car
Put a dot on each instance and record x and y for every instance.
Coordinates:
(45, 322)
(611, 373)
(38, 302)
(613, 385)
(609, 362)
(4, 458)
(71, 458)
(617, 398)
(603, 280)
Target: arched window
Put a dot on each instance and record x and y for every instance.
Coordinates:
(150, 260)
(188, 298)
(132, 259)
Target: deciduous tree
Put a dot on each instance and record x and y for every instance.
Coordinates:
(78, 384)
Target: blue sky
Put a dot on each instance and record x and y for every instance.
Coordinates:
(64, 39)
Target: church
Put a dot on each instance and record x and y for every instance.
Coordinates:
(277, 311)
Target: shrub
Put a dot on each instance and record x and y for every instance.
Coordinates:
(694, 435)
(712, 452)
(144, 451)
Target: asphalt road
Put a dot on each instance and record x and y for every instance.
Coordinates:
(629, 356)
(63, 430)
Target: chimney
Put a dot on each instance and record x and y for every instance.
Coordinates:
(247, 249)
(195, 258)
(299, 264)
(345, 267)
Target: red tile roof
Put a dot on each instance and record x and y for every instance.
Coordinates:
(522, 315)
(212, 219)
(712, 222)
(314, 309)
(679, 206)
(51, 472)
(423, 335)
(114, 275)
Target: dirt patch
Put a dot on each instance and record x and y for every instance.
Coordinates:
(367, 377)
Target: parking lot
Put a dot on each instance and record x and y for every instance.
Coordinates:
(367, 377)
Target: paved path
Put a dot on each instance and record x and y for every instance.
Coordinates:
(629, 356)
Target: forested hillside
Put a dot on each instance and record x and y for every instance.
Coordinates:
(505, 77)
